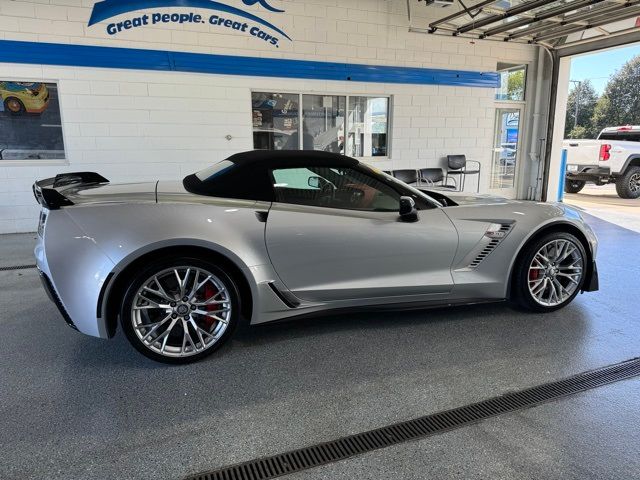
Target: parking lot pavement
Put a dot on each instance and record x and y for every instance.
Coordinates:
(75, 407)
(17, 249)
(603, 202)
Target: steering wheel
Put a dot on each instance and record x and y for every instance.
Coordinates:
(355, 197)
(327, 193)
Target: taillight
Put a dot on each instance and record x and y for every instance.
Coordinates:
(604, 152)
(41, 223)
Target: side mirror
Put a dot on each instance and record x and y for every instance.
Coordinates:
(314, 182)
(408, 210)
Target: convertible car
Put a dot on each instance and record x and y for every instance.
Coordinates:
(265, 236)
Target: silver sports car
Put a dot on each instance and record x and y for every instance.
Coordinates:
(265, 236)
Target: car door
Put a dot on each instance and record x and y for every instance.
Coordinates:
(336, 234)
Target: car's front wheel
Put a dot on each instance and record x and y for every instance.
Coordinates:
(180, 310)
(550, 273)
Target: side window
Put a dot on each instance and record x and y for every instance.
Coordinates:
(294, 178)
(342, 188)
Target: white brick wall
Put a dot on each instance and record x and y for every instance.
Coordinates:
(138, 125)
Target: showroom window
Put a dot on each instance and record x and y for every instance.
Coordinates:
(275, 121)
(30, 121)
(357, 126)
(513, 80)
(508, 125)
(368, 126)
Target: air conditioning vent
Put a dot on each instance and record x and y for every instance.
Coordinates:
(490, 247)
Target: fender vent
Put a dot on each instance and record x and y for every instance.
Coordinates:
(486, 251)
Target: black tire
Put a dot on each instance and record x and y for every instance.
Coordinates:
(14, 106)
(154, 268)
(573, 186)
(628, 185)
(520, 294)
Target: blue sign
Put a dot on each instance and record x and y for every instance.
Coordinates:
(512, 135)
(256, 26)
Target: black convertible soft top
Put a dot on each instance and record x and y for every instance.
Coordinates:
(245, 175)
(291, 158)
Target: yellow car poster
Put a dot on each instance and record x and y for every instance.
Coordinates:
(30, 121)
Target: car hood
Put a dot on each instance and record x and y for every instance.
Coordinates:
(466, 198)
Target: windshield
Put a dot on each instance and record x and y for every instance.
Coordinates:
(403, 187)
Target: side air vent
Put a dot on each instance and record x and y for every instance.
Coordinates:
(490, 247)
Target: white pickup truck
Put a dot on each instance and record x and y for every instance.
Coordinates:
(614, 157)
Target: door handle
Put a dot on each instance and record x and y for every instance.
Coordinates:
(262, 215)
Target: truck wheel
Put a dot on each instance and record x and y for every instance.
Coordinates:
(573, 186)
(628, 185)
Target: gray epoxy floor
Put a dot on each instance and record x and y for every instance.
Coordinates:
(75, 407)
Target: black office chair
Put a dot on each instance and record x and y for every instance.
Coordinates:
(432, 176)
(457, 165)
(407, 176)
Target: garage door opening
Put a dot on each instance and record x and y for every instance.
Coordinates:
(597, 134)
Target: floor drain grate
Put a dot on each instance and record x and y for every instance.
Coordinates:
(17, 267)
(333, 451)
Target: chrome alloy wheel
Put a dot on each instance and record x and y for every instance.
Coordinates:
(634, 182)
(555, 272)
(181, 311)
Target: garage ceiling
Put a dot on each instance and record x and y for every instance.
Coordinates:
(552, 23)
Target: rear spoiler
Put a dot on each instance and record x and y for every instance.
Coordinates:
(47, 191)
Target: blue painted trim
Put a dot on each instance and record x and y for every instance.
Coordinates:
(563, 175)
(137, 59)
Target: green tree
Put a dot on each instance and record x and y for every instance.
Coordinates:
(601, 114)
(586, 98)
(578, 132)
(620, 103)
(515, 85)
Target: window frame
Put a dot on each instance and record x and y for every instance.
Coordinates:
(42, 162)
(300, 93)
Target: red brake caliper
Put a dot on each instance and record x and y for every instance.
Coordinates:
(533, 274)
(210, 291)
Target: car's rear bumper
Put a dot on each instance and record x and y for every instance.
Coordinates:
(72, 269)
(588, 173)
(53, 296)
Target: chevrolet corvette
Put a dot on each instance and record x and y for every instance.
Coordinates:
(265, 236)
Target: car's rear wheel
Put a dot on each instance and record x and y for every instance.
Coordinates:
(13, 105)
(180, 310)
(550, 273)
(573, 186)
(628, 185)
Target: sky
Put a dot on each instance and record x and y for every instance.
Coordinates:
(598, 67)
